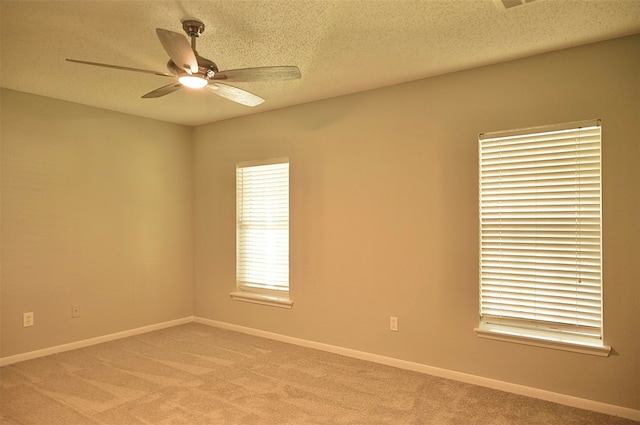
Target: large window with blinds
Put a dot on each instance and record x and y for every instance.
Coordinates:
(540, 235)
(262, 232)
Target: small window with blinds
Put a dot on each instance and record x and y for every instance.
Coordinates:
(540, 236)
(262, 232)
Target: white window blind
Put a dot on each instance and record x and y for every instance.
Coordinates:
(262, 233)
(540, 225)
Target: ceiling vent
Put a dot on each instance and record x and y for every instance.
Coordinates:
(508, 4)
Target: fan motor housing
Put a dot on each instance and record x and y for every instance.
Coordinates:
(206, 67)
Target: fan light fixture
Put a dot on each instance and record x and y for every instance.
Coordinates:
(196, 72)
(192, 81)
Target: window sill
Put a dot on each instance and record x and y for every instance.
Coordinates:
(503, 333)
(263, 299)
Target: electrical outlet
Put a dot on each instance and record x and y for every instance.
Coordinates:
(393, 324)
(75, 311)
(27, 319)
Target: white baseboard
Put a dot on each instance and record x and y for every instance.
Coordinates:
(91, 341)
(563, 399)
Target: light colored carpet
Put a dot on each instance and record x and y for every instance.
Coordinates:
(196, 374)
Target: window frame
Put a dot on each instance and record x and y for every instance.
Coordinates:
(511, 328)
(259, 293)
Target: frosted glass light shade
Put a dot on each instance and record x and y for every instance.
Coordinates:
(192, 81)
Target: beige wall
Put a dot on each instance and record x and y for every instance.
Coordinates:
(96, 211)
(384, 215)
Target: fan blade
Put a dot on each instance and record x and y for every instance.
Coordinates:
(265, 73)
(179, 50)
(235, 94)
(124, 68)
(162, 91)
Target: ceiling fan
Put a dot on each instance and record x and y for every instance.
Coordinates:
(197, 72)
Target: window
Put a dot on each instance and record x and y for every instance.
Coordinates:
(262, 233)
(540, 237)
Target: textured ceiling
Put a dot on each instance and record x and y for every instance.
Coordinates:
(341, 47)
